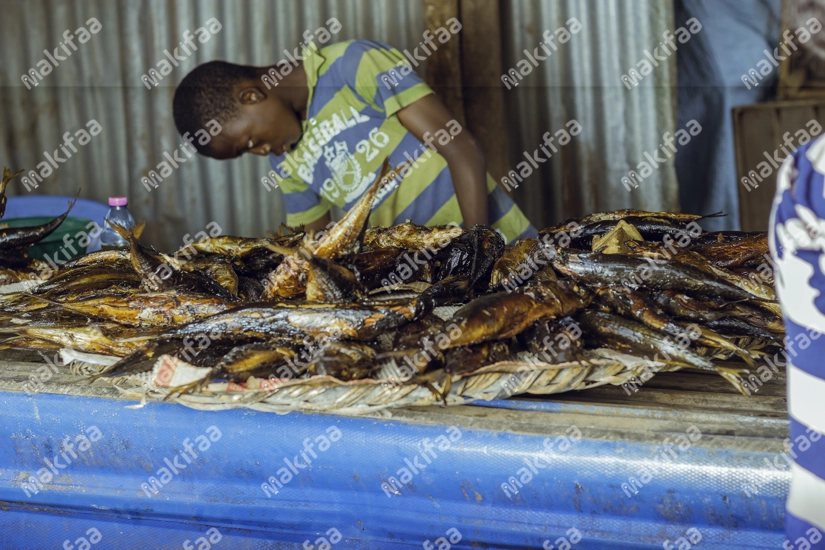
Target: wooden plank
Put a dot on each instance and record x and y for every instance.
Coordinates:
(481, 70)
(793, 120)
(758, 135)
(443, 72)
(795, 79)
(782, 104)
(647, 397)
(716, 384)
(754, 131)
(721, 429)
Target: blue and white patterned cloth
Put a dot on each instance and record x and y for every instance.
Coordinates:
(797, 240)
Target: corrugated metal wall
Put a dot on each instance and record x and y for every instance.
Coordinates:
(582, 81)
(101, 81)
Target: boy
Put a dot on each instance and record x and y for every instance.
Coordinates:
(328, 124)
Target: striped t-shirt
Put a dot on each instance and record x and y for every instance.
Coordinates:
(355, 90)
(797, 239)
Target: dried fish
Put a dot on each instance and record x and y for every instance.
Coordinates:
(410, 236)
(605, 270)
(305, 305)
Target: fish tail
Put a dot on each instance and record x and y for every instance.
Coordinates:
(716, 340)
(746, 357)
(132, 234)
(122, 231)
(757, 353)
(387, 175)
(7, 177)
(383, 176)
(732, 376)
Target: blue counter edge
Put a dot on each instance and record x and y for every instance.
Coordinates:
(460, 488)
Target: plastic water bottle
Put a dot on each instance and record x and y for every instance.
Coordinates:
(118, 213)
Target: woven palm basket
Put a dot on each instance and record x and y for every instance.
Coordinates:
(526, 375)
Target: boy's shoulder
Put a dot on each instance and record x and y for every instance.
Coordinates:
(345, 58)
(352, 50)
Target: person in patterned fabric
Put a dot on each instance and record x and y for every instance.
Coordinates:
(328, 124)
(797, 240)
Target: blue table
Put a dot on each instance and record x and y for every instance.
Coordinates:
(578, 469)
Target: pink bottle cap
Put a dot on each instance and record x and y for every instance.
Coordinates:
(118, 201)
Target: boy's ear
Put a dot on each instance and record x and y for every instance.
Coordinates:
(251, 95)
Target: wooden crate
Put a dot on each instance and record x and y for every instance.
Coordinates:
(797, 79)
(758, 130)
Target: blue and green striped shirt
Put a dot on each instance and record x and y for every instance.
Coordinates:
(355, 90)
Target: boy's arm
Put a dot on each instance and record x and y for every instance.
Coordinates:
(319, 224)
(303, 205)
(465, 159)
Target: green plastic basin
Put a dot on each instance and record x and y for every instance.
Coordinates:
(53, 244)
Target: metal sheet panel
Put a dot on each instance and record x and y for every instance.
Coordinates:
(102, 81)
(582, 81)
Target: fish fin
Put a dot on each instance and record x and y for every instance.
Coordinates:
(199, 385)
(137, 231)
(7, 177)
(285, 230)
(435, 391)
(283, 250)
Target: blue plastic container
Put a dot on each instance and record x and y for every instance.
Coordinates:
(26, 206)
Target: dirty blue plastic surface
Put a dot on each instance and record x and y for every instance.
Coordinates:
(458, 488)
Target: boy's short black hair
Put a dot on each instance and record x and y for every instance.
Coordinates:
(206, 93)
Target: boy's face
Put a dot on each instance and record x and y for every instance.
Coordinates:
(263, 125)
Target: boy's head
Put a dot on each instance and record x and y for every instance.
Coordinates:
(252, 119)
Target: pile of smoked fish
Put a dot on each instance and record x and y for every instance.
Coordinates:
(346, 302)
